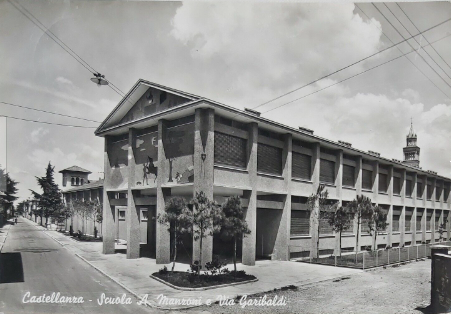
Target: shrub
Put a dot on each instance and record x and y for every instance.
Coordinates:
(215, 266)
(163, 270)
(195, 267)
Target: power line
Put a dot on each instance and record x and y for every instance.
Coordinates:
(60, 43)
(423, 36)
(372, 55)
(397, 47)
(317, 91)
(49, 112)
(44, 122)
(410, 43)
(417, 42)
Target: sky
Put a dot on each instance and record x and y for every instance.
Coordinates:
(238, 53)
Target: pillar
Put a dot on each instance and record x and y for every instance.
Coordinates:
(204, 133)
(250, 240)
(109, 226)
(314, 221)
(402, 219)
(358, 189)
(375, 181)
(390, 211)
(163, 248)
(339, 186)
(281, 246)
(433, 200)
(132, 214)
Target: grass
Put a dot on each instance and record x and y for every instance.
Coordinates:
(189, 280)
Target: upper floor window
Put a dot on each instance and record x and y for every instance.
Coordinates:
(230, 150)
(327, 171)
(396, 185)
(367, 179)
(348, 176)
(302, 166)
(408, 188)
(269, 159)
(383, 182)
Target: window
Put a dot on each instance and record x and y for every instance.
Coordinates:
(383, 183)
(230, 150)
(72, 181)
(396, 185)
(77, 181)
(446, 193)
(438, 192)
(364, 223)
(396, 217)
(437, 219)
(367, 179)
(419, 218)
(300, 222)
(428, 219)
(408, 188)
(324, 227)
(327, 171)
(269, 159)
(82, 181)
(348, 176)
(419, 189)
(144, 215)
(429, 191)
(408, 219)
(302, 166)
(121, 214)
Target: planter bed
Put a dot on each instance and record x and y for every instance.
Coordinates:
(188, 280)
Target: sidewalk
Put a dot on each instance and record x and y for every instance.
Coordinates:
(3, 234)
(133, 274)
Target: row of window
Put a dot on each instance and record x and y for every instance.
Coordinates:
(300, 222)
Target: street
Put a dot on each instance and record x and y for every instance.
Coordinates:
(33, 262)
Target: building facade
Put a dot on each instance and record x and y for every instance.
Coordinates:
(161, 142)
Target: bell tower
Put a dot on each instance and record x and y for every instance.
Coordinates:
(411, 151)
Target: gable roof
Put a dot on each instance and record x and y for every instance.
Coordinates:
(75, 169)
(132, 96)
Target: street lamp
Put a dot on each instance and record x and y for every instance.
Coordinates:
(99, 79)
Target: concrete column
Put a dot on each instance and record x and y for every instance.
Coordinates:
(250, 240)
(281, 247)
(314, 221)
(375, 181)
(402, 219)
(433, 200)
(204, 134)
(132, 214)
(163, 249)
(390, 211)
(414, 198)
(339, 187)
(358, 189)
(109, 225)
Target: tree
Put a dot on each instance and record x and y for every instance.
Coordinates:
(177, 217)
(9, 189)
(442, 229)
(317, 204)
(203, 217)
(376, 223)
(359, 207)
(340, 221)
(22, 208)
(50, 201)
(233, 223)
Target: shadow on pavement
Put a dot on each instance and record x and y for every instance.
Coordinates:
(11, 268)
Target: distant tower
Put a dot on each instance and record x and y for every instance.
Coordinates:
(412, 151)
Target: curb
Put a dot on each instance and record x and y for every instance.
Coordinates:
(133, 292)
(202, 288)
(6, 235)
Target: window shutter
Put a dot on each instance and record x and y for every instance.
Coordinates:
(324, 226)
(429, 191)
(367, 179)
(437, 219)
(383, 183)
(348, 175)
(409, 188)
(419, 217)
(396, 185)
(302, 165)
(419, 189)
(438, 192)
(446, 193)
(408, 219)
(428, 219)
(327, 171)
(230, 150)
(269, 159)
(300, 222)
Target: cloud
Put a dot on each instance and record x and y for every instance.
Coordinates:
(37, 134)
(64, 80)
(272, 47)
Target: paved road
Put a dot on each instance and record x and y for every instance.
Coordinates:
(33, 262)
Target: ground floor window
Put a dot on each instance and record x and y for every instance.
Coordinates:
(300, 222)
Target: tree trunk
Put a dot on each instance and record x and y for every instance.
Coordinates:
(175, 248)
(234, 253)
(357, 237)
(340, 243)
(200, 253)
(317, 236)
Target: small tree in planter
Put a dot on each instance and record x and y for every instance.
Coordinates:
(233, 223)
(319, 199)
(359, 206)
(204, 220)
(178, 218)
(376, 223)
(442, 229)
(339, 221)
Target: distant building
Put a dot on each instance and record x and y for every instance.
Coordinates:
(74, 176)
(161, 142)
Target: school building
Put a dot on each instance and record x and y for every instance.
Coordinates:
(161, 142)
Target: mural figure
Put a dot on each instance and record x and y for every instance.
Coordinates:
(148, 169)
